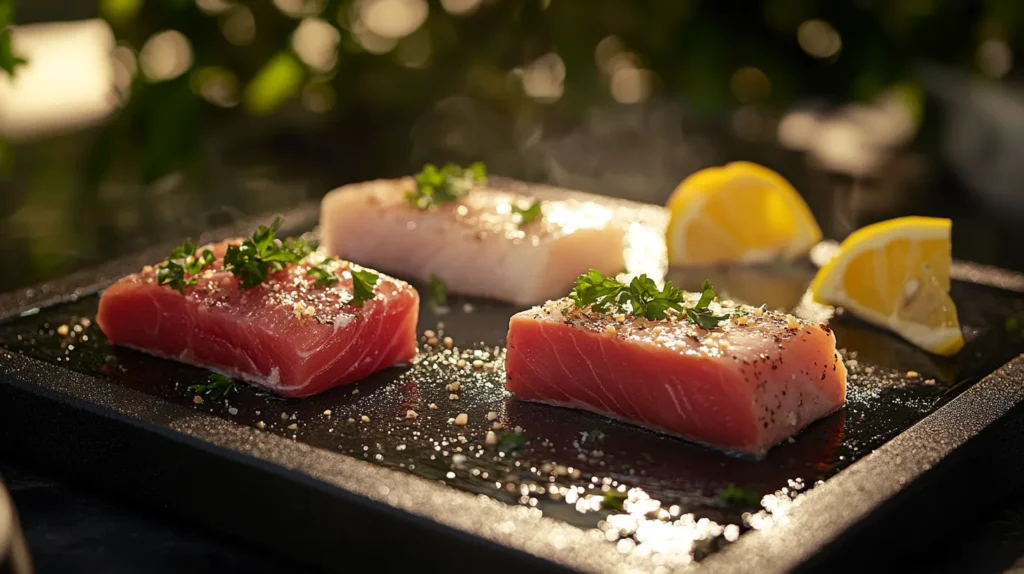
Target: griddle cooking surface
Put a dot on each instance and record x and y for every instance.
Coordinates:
(558, 472)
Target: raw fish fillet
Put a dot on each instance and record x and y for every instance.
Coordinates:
(284, 335)
(474, 244)
(744, 386)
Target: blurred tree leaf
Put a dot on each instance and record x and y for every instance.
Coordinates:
(277, 81)
(119, 12)
(8, 60)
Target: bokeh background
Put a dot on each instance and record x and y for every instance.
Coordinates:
(137, 121)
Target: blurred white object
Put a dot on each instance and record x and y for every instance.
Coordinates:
(68, 82)
(984, 135)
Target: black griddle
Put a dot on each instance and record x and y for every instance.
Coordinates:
(427, 493)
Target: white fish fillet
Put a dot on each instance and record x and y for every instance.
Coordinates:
(475, 244)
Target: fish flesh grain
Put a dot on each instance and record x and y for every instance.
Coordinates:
(757, 378)
(285, 335)
(476, 245)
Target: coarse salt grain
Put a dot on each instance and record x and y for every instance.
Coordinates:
(350, 420)
(261, 425)
(197, 400)
(327, 413)
(293, 426)
(453, 397)
(462, 419)
(497, 426)
(491, 439)
(913, 374)
(448, 342)
(432, 407)
(410, 414)
(284, 416)
(364, 418)
(429, 334)
(63, 330)
(461, 363)
(491, 416)
(478, 364)
(232, 411)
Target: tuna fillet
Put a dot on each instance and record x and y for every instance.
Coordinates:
(285, 335)
(743, 386)
(476, 245)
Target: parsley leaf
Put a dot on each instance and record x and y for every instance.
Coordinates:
(363, 282)
(180, 264)
(596, 291)
(437, 292)
(324, 276)
(614, 500)
(256, 258)
(218, 386)
(739, 496)
(439, 186)
(510, 442)
(528, 215)
(700, 314)
(642, 298)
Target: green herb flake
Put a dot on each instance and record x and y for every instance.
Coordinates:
(363, 283)
(437, 292)
(1012, 324)
(647, 456)
(217, 386)
(182, 263)
(591, 437)
(642, 298)
(252, 261)
(614, 500)
(739, 496)
(528, 215)
(510, 442)
(440, 186)
(325, 277)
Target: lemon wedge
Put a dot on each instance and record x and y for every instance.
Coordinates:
(895, 274)
(740, 213)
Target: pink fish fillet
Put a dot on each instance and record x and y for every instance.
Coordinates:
(475, 245)
(285, 335)
(743, 386)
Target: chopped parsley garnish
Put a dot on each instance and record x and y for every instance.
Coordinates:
(256, 258)
(437, 292)
(700, 313)
(614, 500)
(739, 496)
(182, 263)
(218, 386)
(439, 186)
(642, 298)
(528, 215)
(591, 437)
(510, 442)
(363, 282)
(325, 277)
